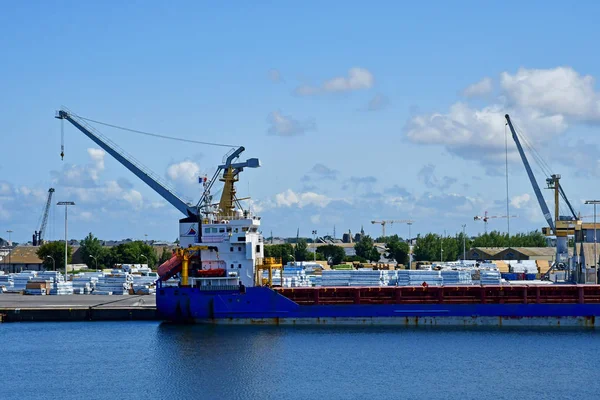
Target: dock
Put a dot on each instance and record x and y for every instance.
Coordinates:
(20, 308)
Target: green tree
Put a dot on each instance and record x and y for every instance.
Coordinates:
(131, 253)
(397, 249)
(334, 254)
(93, 253)
(366, 249)
(301, 251)
(56, 250)
(427, 248)
(284, 251)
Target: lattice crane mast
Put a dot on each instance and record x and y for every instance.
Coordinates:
(38, 236)
(383, 223)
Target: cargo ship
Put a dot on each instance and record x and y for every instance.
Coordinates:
(221, 265)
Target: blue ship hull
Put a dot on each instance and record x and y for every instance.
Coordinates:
(261, 305)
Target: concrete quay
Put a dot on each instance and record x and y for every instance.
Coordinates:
(20, 308)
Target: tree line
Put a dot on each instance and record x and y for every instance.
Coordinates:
(97, 256)
(428, 247)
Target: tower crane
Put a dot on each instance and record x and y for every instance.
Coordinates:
(383, 223)
(559, 226)
(38, 236)
(485, 218)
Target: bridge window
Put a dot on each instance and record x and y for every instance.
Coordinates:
(206, 230)
(239, 249)
(239, 265)
(228, 229)
(258, 248)
(245, 229)
(221, 230)
(231, 265)
(231, 249)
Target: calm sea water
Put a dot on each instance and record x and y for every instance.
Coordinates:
(151, 360)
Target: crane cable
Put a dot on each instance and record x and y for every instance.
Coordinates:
(156, 134)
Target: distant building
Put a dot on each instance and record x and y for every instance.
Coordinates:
(527, 253)
(483, 253)
(21, 258)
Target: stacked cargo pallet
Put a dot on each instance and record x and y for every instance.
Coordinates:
(20, 280)
(143, 284)
(451, 277)
(114, 283)
(418, 277)
(62, 288)
(84, 283)
(368, 278)
(6, 283)
(292, 277)
(335, 278)
(489, 277)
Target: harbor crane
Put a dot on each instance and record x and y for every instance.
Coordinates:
(383, 223)
(38, 236)
(559, 226)
(485, 218)
(227, 172)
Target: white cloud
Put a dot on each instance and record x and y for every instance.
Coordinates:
(289, 198)
(5, 189)
(186, 172)
(357, 79)
(134, 198)
(97, 156)
(315, 219)
(520, 201)
(479, 134)
(285, 125)
(81, 175)
(541, 102)
(559, 90)
(480, 88)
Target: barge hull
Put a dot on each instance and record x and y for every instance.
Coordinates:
(495, 306)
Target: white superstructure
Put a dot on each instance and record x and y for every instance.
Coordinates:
(238, 240)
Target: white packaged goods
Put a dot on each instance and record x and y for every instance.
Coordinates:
(451, 277)
(490, 277)
(368, 278)
(114, 283)
(335, 278)
(523, 267)
(418, 277)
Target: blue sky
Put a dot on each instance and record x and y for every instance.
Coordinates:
(391, 110)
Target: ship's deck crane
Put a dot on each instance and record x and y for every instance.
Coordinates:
(383, 223)
(485, 218)
(560, 226)
(229, 168)
(38, 236)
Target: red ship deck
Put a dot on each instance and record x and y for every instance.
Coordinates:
(540, 294)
